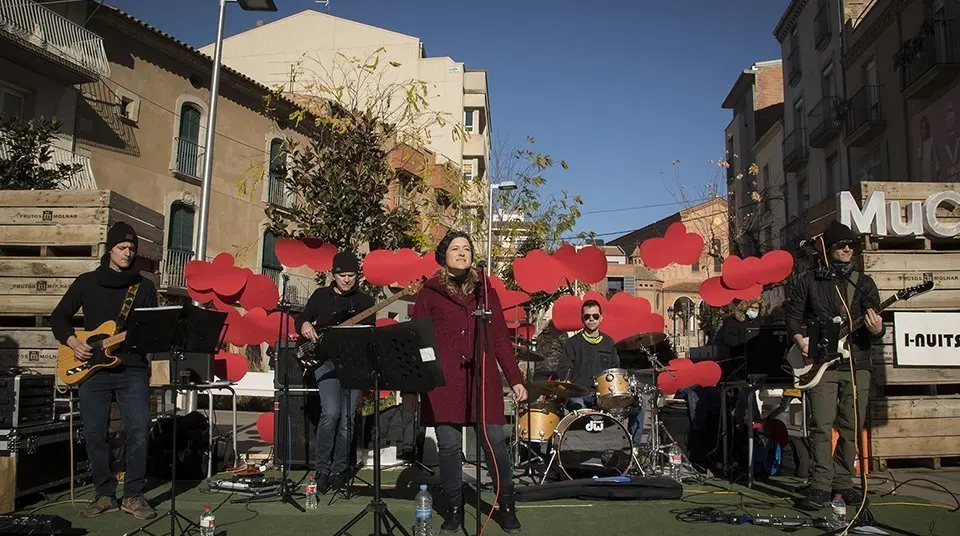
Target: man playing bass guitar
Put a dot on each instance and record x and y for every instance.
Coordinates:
(328, 306)
(108, 294)
(832, 295)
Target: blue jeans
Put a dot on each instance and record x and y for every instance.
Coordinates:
(634, 418)
(130, 387)
(450, 449)
(335, 429)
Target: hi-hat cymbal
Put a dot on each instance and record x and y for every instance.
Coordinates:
(557, 389)
(528, 356)
(641, 341)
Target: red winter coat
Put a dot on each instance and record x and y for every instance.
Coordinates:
(454, 327)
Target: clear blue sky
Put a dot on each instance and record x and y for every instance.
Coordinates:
(613, 87)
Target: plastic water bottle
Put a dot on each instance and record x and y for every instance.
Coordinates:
(311, 491)
(676, 460)
(839, 508)
(423, 503)
(207, 522)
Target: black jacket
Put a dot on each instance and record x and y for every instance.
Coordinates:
(327, 307)
(584, 361)
(100, 302)
(815, 297)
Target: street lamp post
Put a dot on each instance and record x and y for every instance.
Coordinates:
(505, 186)
(672, 313)
(207, 185)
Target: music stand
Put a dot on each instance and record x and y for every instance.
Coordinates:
(177, 330)
(400, 357)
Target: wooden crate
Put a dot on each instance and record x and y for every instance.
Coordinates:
(30, 348)
(925, 428)
(49, 237)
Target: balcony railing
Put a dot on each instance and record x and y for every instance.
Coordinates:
(47, 33)
(189, 158)
(823, 23)
(299, 288)
(174, 263)
(795, 150)
(863, 118)
(81, 180)
(825, 121)
(793, 66)
(278, 194)
(793, 233)
(929, 59)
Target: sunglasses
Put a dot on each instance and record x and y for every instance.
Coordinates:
(594, 316)
(843, 244)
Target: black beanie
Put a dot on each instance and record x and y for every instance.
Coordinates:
(345, 261)
(441, 253)
(838, 232)
(121, 232)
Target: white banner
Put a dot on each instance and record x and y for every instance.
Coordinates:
(927, 339)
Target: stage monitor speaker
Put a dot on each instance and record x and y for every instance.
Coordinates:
(288, 369)
(302, 411)
(198, 366)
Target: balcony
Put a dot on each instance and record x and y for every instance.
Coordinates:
(475, 82)
(67, 52)
(793, 66)
(928, 61)
(795, 150)
(172, 272)
(81, 180)
(793, 233)
(278, 194)
(863, 120)
(475, 146)
(299, 288)
(823, 24)
(825, 121)
(189, 159)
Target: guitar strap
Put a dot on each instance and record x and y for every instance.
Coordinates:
(127, 304)
(852, 286)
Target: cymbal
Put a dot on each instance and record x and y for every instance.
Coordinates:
(556, 388)
(528, 356)
(641, 341)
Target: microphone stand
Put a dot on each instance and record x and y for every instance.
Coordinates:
(481, 314)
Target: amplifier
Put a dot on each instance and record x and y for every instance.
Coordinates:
(198, 367)
(288, 369)
(36, 524)
(38, 458)
(26, 400)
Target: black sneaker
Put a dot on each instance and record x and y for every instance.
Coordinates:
(100, 506)
(851, 497)
(138, 507)
(323, 482)
(816, 499)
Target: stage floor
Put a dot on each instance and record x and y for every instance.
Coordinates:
(553, 518)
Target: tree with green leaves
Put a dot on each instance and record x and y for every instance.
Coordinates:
(26, 155)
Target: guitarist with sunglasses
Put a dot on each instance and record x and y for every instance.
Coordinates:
(108, 294)
(329, 306)
(835, 294)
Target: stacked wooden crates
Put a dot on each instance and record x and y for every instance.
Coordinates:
(48, 238)
(914, 412)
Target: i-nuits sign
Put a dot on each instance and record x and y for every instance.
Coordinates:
(880, 217)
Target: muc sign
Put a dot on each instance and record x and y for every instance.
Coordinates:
(880, 217)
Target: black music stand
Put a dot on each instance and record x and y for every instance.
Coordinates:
(177, 330)
(401, 357)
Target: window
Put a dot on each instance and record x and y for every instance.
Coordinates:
(180, 235)
(468, 171)
(717, 250)
(695, 267)
(188, 141)
(468, 123)
(826, 82)
(832, 176)
(798, 113)
(614, 285)
(11, 102)
(269, 262)
(277, 190)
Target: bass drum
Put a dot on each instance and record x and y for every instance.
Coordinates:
(592, 443)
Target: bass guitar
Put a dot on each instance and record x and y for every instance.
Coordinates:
(103, 340)
(307, 350)
(808, 372)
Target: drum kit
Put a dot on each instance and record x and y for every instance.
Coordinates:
(594, 442)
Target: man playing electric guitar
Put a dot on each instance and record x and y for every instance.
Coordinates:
(836, 292)
(108, 294)
(328, 306)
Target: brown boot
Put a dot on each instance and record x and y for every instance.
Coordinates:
(138, 507)
(100, 506)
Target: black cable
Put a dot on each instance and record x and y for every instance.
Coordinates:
(941, 486)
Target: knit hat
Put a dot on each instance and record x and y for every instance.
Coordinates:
(345, 261)
(441, 252)
(838, 232)
(121, 232)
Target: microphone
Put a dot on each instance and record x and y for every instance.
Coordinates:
(285, 276)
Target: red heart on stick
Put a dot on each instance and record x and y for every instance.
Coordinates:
(773, 267)
(623, 315)
(229, 366)
(716, 294)
(538, 271)
(681, 373)
(677, 246)
(384, 267)
(311, 252)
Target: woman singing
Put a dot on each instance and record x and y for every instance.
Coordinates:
(449, 300)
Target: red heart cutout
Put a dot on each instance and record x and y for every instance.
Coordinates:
(773, 267)
(229, 366)
(311, 252)
(587, 265)
(538, 271)
(260, 291)
(716, 294)
(383, 267)
(265, 424)
(681, 373)
(677, 246)
(623, 315)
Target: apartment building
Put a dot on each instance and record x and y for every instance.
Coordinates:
(46, 52)
(309, 48)
(756, 99)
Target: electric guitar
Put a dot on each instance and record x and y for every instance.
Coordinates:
(808, 372)
(103, 340)
(307, 350)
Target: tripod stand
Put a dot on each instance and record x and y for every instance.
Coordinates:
(400, 357)
(658, 448)
(283, 433)
(176, 330)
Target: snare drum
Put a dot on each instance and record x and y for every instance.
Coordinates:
(537, 421)
(613, 389)
(593, 443)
